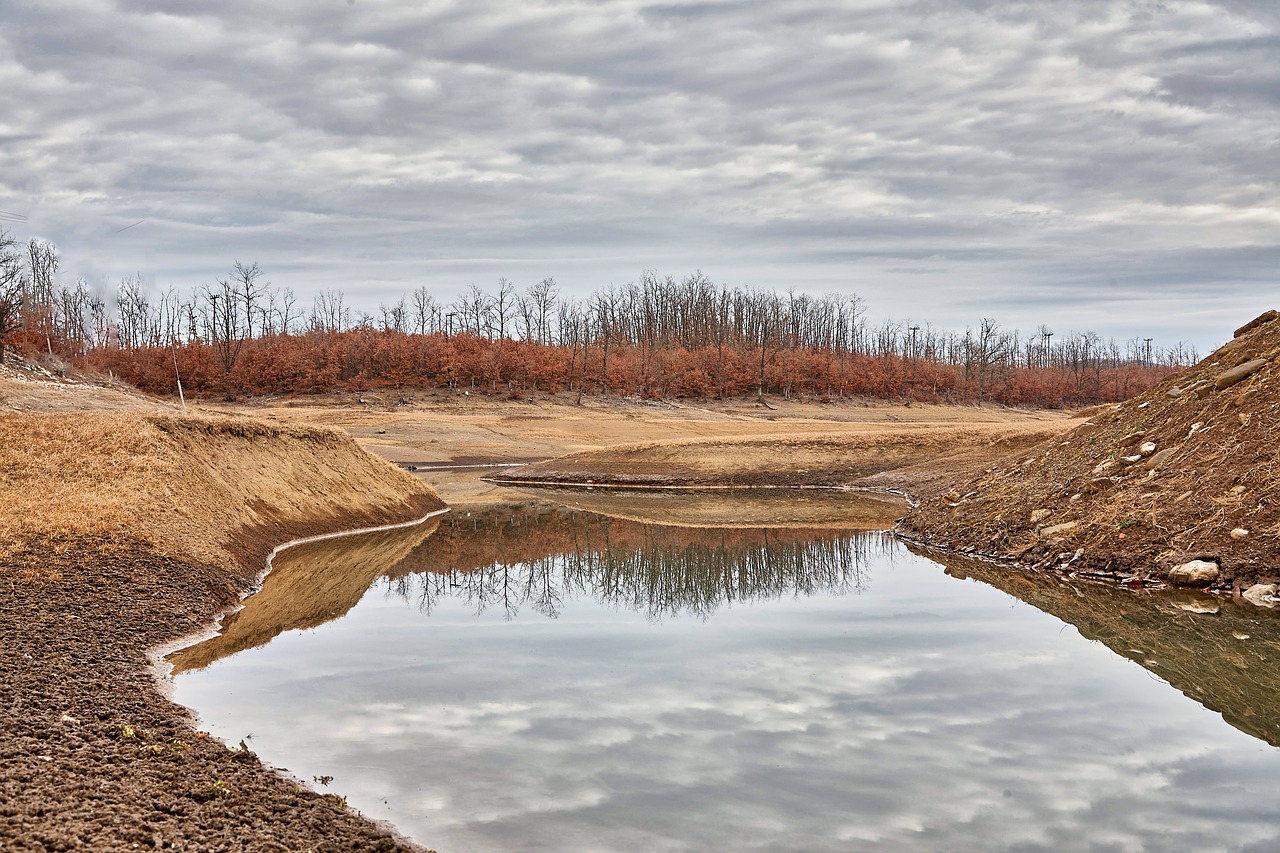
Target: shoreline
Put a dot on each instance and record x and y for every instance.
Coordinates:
(162, 670)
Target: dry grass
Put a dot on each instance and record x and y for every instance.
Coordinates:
(187, 485)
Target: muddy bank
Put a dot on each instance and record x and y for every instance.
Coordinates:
(102, 557)
(905, 458)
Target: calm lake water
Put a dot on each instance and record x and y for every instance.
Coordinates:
(549, 679)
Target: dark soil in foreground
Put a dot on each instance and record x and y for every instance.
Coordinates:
(92, 757)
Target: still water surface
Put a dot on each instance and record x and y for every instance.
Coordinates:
(557, 680)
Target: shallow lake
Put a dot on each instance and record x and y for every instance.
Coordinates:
(554, 679)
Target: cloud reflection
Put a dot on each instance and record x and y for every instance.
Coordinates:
(915, 712)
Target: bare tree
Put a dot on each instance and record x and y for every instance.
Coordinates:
(426, 312)
(228, 329)
(329, 312)
(395, 318)
(11, 289)
(248, 289)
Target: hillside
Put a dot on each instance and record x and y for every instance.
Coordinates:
(1178, 484)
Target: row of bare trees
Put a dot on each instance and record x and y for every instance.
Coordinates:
(646, 318)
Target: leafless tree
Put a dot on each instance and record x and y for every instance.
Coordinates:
(11, 289)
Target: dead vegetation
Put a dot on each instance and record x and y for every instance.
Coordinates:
(215, 489)
(1178, 484)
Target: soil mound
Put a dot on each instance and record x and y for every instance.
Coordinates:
(219, 490)
(1178, 484)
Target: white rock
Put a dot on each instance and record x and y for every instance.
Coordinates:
(1040, 515)
(1195, 573)
(1239, 533)
(1261, 594)
(1065, 527)
(1147, 448)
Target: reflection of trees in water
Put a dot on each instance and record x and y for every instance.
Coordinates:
(655, 570)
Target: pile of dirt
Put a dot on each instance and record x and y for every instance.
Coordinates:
(1178, 485)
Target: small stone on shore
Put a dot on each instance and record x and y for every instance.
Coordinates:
(1261, 594)
(1065, 527)
(1195, 573)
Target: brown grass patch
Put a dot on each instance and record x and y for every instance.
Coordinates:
(187, 485)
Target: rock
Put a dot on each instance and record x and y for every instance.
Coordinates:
(1260, 320)
(382, 432)
(1261, 594)
(1147, 448)
(1158, 459)
(1235, 374)
(1040, 515)
(1129, 460)
(1239, 533)
(1102, 467)
(1133, 436)
(1195, 573)
(1057, 529)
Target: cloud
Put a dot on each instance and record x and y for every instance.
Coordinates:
(379, 146)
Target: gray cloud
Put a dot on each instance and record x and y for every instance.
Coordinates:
(379, 146)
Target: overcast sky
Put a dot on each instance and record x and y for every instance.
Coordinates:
(1105, 164)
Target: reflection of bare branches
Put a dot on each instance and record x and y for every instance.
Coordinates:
(646, 568)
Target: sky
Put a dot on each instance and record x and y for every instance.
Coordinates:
(1100, 164)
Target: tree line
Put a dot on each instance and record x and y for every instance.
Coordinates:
(658, 336)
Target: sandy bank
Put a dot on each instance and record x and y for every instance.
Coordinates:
(118, 532)
(905, 457)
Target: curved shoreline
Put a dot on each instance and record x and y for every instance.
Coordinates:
(162, 669)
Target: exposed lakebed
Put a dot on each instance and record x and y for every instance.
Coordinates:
(551, 678)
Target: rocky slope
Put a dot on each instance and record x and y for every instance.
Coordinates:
(1179, 485)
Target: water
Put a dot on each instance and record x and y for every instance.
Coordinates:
(557, 680)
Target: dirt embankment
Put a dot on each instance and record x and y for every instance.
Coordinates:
(121, 531)
(1178, 484)
(903, 457)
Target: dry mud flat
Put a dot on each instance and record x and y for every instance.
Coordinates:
(119, 532)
